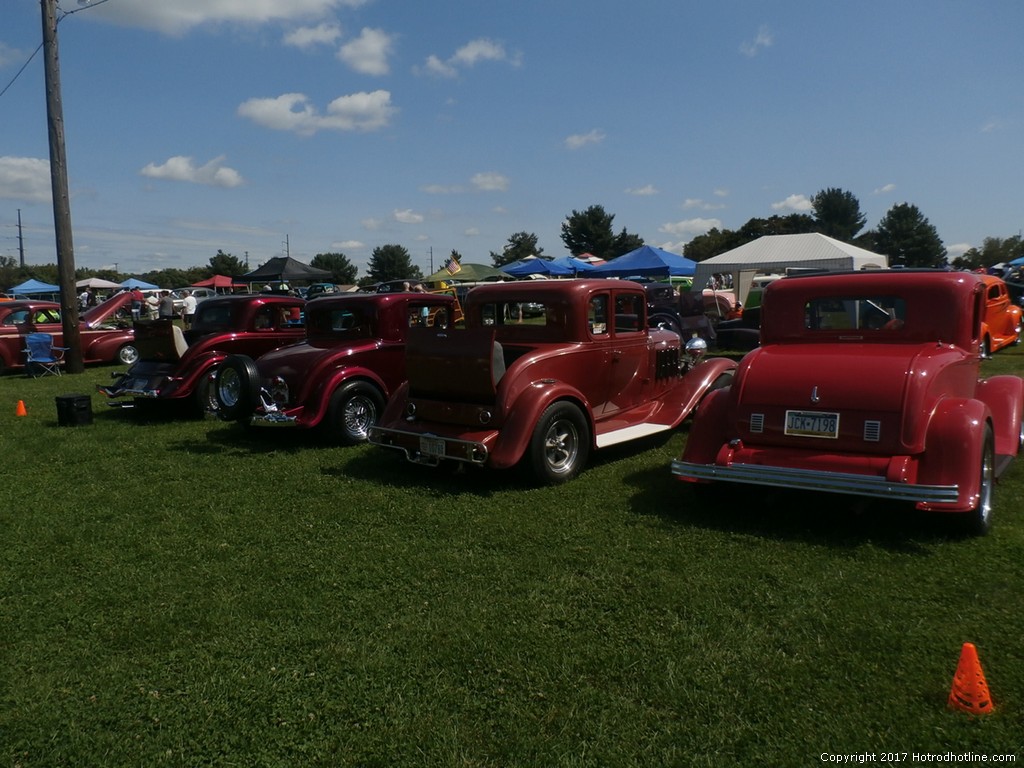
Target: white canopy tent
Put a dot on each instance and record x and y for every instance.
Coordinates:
(775, 254)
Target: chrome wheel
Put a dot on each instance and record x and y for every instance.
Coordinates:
(561, 443)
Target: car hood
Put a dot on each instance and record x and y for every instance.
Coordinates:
(302, 357)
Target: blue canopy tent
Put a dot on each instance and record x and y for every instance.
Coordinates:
(34, 287)
(646, 261)
(528, 267)
(577, 266)
(142, 285)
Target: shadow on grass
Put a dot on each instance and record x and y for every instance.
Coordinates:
(826, 519)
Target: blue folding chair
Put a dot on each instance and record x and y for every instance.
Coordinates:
(43, 359)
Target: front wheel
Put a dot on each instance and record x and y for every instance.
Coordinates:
(979, 519)
(560, 445)
(354, 408)
(236, 388)
(128, 354)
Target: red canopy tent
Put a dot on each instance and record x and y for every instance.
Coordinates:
(218, 283)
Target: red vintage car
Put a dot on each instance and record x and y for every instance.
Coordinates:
(1000, 326)
(866, 384)
(587, 372)
(177, 366)
(339, 377)
(104, 339)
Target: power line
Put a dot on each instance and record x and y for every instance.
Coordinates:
(64, 14)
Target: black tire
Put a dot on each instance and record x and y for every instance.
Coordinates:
(354, 408)
(560, 445)
(238, 382)
(979, 520)
(986, 348)
(128, 354)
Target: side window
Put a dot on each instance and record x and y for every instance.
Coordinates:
(263, 321)
(629, 313)
(597, 314)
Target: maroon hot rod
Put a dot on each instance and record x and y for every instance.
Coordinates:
(867, 384)
(339, 377)
(586, 372)
(177, 366)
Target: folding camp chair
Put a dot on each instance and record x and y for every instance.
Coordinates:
(43, 359)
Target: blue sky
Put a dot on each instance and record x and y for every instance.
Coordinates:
(253, 126)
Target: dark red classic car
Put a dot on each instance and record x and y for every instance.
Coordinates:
(177, 366)
(586, 373)
(340, 376)
(103, 338)
(866, 384)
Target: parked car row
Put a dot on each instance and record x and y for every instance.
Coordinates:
(858, 386)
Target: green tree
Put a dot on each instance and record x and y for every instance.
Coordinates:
(226, 264)
(391, 262)
(590, 231)
(343, 271)
(519, 246)
(909, 239)
(837, 213)
(994, 250)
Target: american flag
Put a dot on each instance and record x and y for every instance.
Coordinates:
(452, 266)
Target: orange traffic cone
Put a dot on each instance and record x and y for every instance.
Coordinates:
(970, 691)
(20, 410)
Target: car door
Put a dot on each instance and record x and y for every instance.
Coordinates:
(626, 372)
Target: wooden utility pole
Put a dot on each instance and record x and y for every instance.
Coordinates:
(61, 203)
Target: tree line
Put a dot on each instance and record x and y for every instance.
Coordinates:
(904, 235)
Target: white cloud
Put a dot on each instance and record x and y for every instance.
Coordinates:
(471, 232)
(490, 182)
(469, 55)
(293, 112)
(368, 53)
(180, 168)
(9, 56)
(407, 216)
(372, 224)
(178, 17)
(884, 189)
(25, 178)
(956, 250)
(580, 140)
(348, 245)
(644, 191)
(307, 37)
(440, 189)
(764, 39)
(689, 228)
(798, 203)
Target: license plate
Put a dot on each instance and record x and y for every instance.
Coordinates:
(812, 424)
(431, 446)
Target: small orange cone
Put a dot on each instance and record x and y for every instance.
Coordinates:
(20, 410)
(970, 691)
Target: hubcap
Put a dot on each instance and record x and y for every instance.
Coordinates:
(359, 416)
(228, 387)
(561, 445)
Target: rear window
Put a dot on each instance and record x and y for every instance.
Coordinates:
(213, 318)
(351, 321)
(861, 313)
(530, 313)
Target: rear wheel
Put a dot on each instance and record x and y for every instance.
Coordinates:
(979, 519)
(354, 408)
(560, 445)
(205, 396)
(236, 388)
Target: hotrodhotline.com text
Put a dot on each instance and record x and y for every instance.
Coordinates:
(948, 758)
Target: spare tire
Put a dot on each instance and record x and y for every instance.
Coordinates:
(238, 382)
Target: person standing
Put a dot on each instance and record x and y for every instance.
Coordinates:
(166, 310)
(137, 301)
(188, 310)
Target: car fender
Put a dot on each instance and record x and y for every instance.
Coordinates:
(953, 448)
(1004, 396)
(709, 430)
(105, 347)
(697, 382)
(316, 407)
(197, 368)
(521, 419)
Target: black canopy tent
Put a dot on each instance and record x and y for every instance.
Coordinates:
(285, 269)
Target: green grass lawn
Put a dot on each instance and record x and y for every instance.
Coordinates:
(183, 593)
